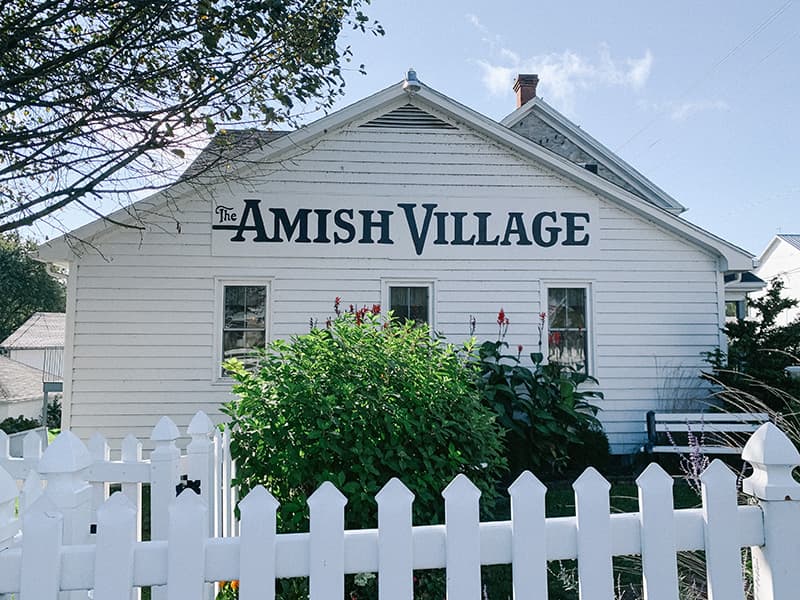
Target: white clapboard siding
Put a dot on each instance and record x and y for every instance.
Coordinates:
(186, 556)
(144, 322)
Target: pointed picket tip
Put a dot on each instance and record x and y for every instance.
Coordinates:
(716, 472)
(200, 424)
(326, 494)
(41, 506)
(32, 444)
(187, 501)
(98, 444)
(526, 483)
(131, 445)
(31, 489)
(770, 446)
(117, 504)
(67, 454)
(654, 476)
(4, 444)
(257, 499)
(591, 479)
(394, 491)
(8, 487)
(165, 431)
(461, 487)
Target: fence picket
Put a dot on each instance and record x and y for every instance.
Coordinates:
(188, 529)
(593, 516)
(131, 452)
(326, 545)
(5, 446)
(528, 537)
(40, 572)
(9, 525)
(723, 555)
(463, 539)
(114, 553)
(32, 490)
(257, 545)
(164, 476)
(100, 451)
(201, 463)
(395, 541)
(657, 523)
(32, 446)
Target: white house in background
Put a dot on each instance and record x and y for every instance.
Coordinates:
(414, 201)
(38, 342)
(31, 365)
(20, 390)
(782, 259)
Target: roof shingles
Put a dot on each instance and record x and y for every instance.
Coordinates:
(19, 381)
(791, 238)
(42, 330)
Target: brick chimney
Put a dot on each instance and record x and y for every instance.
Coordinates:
(525, 87)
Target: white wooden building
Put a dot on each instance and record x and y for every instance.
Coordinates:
(781, 259)
(411, 200)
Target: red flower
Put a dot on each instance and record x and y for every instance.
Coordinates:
(376, 309)
(501, 317)
(542, 316)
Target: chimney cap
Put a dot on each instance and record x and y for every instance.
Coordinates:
(524, 79)
(525, 87)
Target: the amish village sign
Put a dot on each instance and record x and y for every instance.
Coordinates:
(456, 228)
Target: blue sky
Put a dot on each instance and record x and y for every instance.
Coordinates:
(701, 97)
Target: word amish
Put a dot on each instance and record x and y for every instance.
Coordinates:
(423, 223)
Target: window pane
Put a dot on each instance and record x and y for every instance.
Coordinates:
(567, 347)
(410, 303)
(234, 307)
(233, 344)
(256, 304)
(576, 308)
(556, 307)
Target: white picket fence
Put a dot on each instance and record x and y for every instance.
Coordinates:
(206, 460)
(56, 553)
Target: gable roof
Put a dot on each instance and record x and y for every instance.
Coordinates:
(626, 173)
(793, 239)
(42, 330)
(400, 95)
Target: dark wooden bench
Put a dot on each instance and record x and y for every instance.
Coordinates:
(721, 433)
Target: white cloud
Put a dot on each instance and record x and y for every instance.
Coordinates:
(683, 110)
(680, 111)
(562, 75)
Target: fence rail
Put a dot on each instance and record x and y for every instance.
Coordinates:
(56, 553)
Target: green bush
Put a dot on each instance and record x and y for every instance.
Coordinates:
(548, 418)
(758, 351)
(357, 403)
(16, 424)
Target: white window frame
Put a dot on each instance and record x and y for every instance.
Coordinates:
(544, 302)
(427, 283)
(219, 306)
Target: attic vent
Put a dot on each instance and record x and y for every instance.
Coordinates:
(407, 117)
